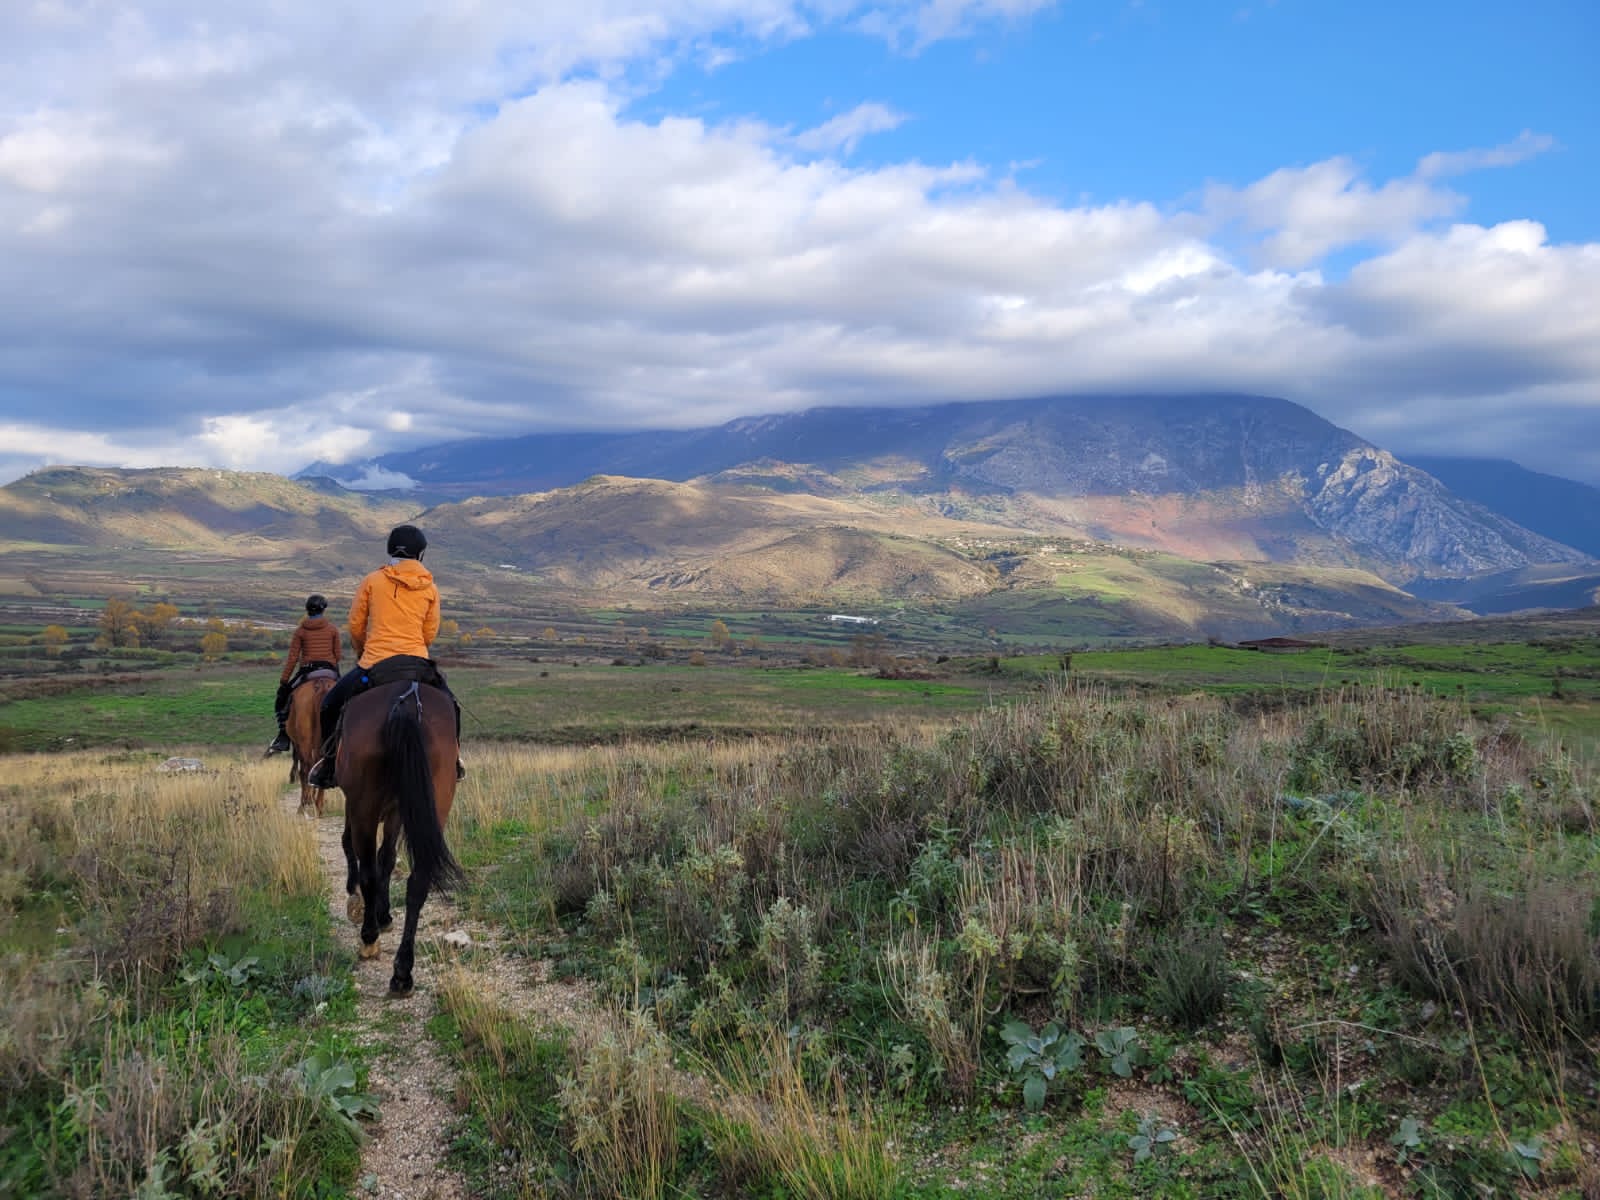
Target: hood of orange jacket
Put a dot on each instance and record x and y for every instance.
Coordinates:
(396, 611)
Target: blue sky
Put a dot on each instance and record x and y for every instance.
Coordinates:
(277, 231)
(1107, 100)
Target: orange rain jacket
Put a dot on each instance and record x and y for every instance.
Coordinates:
(396, 611)
(316, 639)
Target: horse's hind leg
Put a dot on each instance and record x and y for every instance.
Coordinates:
(400, 983)
(387, 853)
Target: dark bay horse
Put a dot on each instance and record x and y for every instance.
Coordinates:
(304, 728)
(397, 766)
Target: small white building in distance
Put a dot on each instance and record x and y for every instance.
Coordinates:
(842, 619)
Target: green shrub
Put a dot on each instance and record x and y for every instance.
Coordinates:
(1188, 977)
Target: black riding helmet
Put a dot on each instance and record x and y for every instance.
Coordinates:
(406, 541)
(316, 605)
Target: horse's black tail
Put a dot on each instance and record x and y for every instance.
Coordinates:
(405, 758)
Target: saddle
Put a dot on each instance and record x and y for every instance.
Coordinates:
(398, 668)
(404, 668)
(314, 670)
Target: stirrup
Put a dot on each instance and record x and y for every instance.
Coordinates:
(321, 773)
(279, 745)
(461, 770)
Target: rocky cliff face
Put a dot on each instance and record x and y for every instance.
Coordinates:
(1374, 501)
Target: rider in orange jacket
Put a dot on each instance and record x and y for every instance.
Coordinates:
(395, 612)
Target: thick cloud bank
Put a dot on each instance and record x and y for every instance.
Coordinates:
(260, 234)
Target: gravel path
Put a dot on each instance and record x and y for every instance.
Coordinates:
(413, 1083)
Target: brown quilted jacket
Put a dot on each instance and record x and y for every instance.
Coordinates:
(316, 639)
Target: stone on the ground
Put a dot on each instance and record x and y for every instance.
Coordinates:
(182, 764)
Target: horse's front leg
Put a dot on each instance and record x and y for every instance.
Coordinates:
(354, 907)
(400, 983)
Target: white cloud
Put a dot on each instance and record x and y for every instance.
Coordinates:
(918, 25)
(1303, 213)
(47, 153)
(27, 446)
(1524, 146)
(374, 478)
(843, 132)
(357, 229)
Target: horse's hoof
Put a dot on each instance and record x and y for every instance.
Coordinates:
(369, 949)
(386, 921)
(355, 908)
(399, 988)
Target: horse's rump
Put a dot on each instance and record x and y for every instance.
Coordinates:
(303, 724)
(398, 748)
(396, 765)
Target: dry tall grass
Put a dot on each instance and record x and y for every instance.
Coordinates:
(773, 1126)
(112, 871)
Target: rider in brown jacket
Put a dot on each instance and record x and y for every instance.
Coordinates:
(315, 644)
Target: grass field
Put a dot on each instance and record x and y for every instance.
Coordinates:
(574, 694)
(508, 699)
(1183, 921)
(1551, 684)
(1084, 944)
(173, 1003)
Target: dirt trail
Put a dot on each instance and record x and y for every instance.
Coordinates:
(414, 1084)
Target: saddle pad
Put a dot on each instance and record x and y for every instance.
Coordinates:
(404, 668)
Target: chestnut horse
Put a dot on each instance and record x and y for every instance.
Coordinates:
(397, 766)
(304, 728)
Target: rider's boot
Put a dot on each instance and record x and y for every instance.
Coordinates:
(321, 774)
(461, 769)
(279, 743)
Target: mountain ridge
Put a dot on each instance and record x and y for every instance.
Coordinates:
(1562, 509)
(652, 544)
(1127, 516)
(1279, 482)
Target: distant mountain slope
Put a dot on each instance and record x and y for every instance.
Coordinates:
(655, 543)
(650, 535)
(650, 541)
(1560, 509)
(188, 509)
(1541, 587)
(1202, 476)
